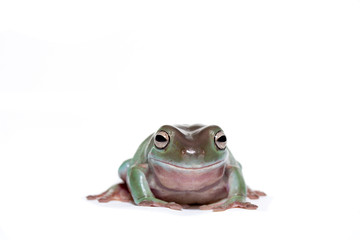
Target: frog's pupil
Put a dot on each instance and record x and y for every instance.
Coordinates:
(160, 138)
(222, 139)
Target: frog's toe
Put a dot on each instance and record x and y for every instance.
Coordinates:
(254, 194)
(259, 193)
(153, 202)
(149, 203)
(118, 192)
(212, 205)
(231, 202)
(174, 206)
(94, 197)
(105, 199)
(236, 204)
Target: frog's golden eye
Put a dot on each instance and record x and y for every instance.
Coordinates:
(162, 139)
(220, 140)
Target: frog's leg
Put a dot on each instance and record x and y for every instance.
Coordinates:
(141, 192)
(123, 169)
(237, 193)
(117, 192)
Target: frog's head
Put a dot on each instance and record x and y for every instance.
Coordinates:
(188, 157)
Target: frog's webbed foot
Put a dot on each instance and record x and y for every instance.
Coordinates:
(231, 202)
(254, 194)
(154, 202)
(117, 192)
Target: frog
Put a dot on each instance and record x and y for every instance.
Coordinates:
(180, 166)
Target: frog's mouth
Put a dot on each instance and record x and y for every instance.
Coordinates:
(183, 178)
(211, 165)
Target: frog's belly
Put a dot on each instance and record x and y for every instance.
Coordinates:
(188, 185)
(186, 179)
(209, 194)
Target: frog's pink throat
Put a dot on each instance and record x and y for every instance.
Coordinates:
(182, 178)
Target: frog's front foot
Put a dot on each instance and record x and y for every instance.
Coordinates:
(154, 202)
(254, 194)
(231, 202)
(117, 192)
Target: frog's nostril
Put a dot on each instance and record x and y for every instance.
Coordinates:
(190, 151)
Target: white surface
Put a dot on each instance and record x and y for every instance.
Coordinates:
(82, 83)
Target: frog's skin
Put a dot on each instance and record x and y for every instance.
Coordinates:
(183, 165)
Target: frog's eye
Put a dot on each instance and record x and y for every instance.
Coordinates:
(161, 139)
(220, 140)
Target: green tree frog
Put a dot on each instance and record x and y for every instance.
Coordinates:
(183, 165)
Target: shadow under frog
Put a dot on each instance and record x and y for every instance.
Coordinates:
(180, 166)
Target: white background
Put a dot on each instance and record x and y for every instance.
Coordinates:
(82, 83)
